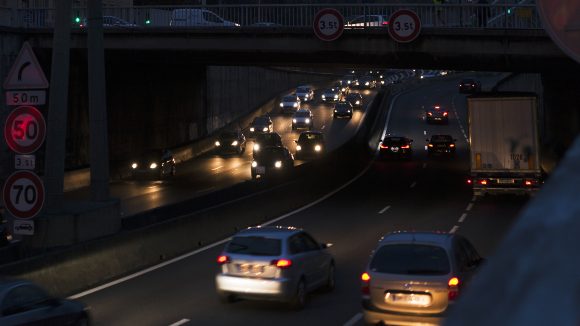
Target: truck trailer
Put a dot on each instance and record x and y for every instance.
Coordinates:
(504, 144)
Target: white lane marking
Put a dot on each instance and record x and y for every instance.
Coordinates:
(457, 117)
(454, 229)
(354, 319)
(181, 322)
(323, 127)
(384, 209)
(219, 167)
(413, 185)
(473, 199)
(424, 165)
(425, 132)
(426, 148)
(206, 189)
(462, 218)
(469, 207)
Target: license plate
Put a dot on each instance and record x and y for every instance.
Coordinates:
(408, 299)
(506, 181)
(395, 149)
(260, 170)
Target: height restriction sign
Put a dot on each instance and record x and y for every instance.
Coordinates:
(25, 130)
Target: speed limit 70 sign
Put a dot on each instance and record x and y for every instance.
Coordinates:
(25, 129)
(23, 194)
(328, 24)
(404, 26)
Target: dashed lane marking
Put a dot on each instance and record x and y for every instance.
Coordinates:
(469, 207)
(413, 185)
(454, 229)
(463, 217)
(354, 319)
(384, 209)
(181, 322)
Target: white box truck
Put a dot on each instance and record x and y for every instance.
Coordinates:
(503, 137)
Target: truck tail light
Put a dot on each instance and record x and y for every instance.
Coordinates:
(366, 279)
(453, 288)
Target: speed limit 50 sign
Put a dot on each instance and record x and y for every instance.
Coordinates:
(25, 129)
(328, 24)
(23, 194)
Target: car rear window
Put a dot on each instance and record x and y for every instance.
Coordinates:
(255, 245)
(411, 259)
(260, 120)
(302, 114)
(289, 98)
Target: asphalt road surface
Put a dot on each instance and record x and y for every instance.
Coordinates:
(422, 194)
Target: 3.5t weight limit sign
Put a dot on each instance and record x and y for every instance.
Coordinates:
(25, 130)
(23, 194)
(328, 24)
(404, 26)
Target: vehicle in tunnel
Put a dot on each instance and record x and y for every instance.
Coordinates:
(342, 110)
(153, 163)
(355, 99)
(416, 277)
(274, 263)
(367, 82)
(332, 95)
(272, 161)
(349, 79)
(231, 142)
(441, 145)
(310, 144)
(302, 119)
(305, 93)
(362, 21)
(436, 114)
(25, 303)
(345, 89)
(266, 140)
(191, 17)
(396, 147)
(260, 125)
(469, 85)
(290, 103)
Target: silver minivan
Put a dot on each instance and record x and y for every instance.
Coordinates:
(273, 263)
(197, 17)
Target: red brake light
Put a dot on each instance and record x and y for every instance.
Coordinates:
(528, 182)
(223, 259)
(483, 182)
(451, 145)
(429, 113)
(384, 146)
(406, 147)
(469, 181)
(283, 263)
(453, 288)
(366, 278)
(445, 114)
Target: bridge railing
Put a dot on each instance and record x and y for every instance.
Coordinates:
(365, 16)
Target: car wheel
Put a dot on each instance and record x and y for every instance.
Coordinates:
(330, 280)
(299, 300)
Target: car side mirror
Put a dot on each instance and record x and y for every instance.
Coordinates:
(326, 245)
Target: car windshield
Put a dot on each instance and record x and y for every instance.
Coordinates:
(260, 121)
(343, 106)
(310, 137)
(302, 90)
(411, 259)
(268, 138)
(289, 99)
(302, 114)
(228, 135)
(255, 245)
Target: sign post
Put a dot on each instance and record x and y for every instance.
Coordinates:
(328, 24)
(404, 26)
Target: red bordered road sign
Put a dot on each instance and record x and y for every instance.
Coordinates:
(23, 194)
(25, 130)
(328, 24)
(561, 19)
(404, 26)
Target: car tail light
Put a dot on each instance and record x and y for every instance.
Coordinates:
(430, 145)
(529, 182)
(469, 181)
(483, 182)
(385, 23)
(282, 263)
(406, 147)
(223, 259)
(366, 278)
(453, 288)
(437, 107)
(451, 145)
(384, 146)
(445, 114)
(429, 113)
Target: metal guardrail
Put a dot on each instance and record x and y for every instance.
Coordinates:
(493, 16)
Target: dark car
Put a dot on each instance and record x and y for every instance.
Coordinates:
(266, 140)
(302, 119)
(332, 95)
(153, 163)
(368, 82)
(344, 88)
(436, 114)
(348, 80)
(355, 99)
(261, 125)
(469, 86)
(396, 147)
(25, 303)
(342, 110)
(231, 142)
(272, 161)
(441, 144)
(310, 143)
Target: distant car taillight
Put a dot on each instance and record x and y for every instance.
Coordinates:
(384, 146)
(529, 182)
(469, 181)
(483, 182)
(366, 278)
(445, 114)
(223, 259)
(453, 288)
(451, 145)
(282, 263)
(405, 147)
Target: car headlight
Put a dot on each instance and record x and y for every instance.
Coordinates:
(294, 120)
(235, 143)
(381, 76)
(254, 164)
(281, 104)
(307, 120)
(323, 96)
(252, 129)
(217, 143)
(318, 148)
(335, 110)
(348, 111)
(153, 166)
(134, 166)
(382, 82)
(367, 84)
(335, 96)
(256, 147)
(295, 105)
(298, 147)
(278, 164)
(265, 129)
(357, 102)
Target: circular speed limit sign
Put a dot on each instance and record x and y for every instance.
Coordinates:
(23, 194)
(25, 129)
(328, 24)
(404, 26)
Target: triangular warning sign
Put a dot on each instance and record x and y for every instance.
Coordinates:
(26, 72)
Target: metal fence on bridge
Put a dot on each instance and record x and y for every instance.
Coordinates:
(359, 16)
